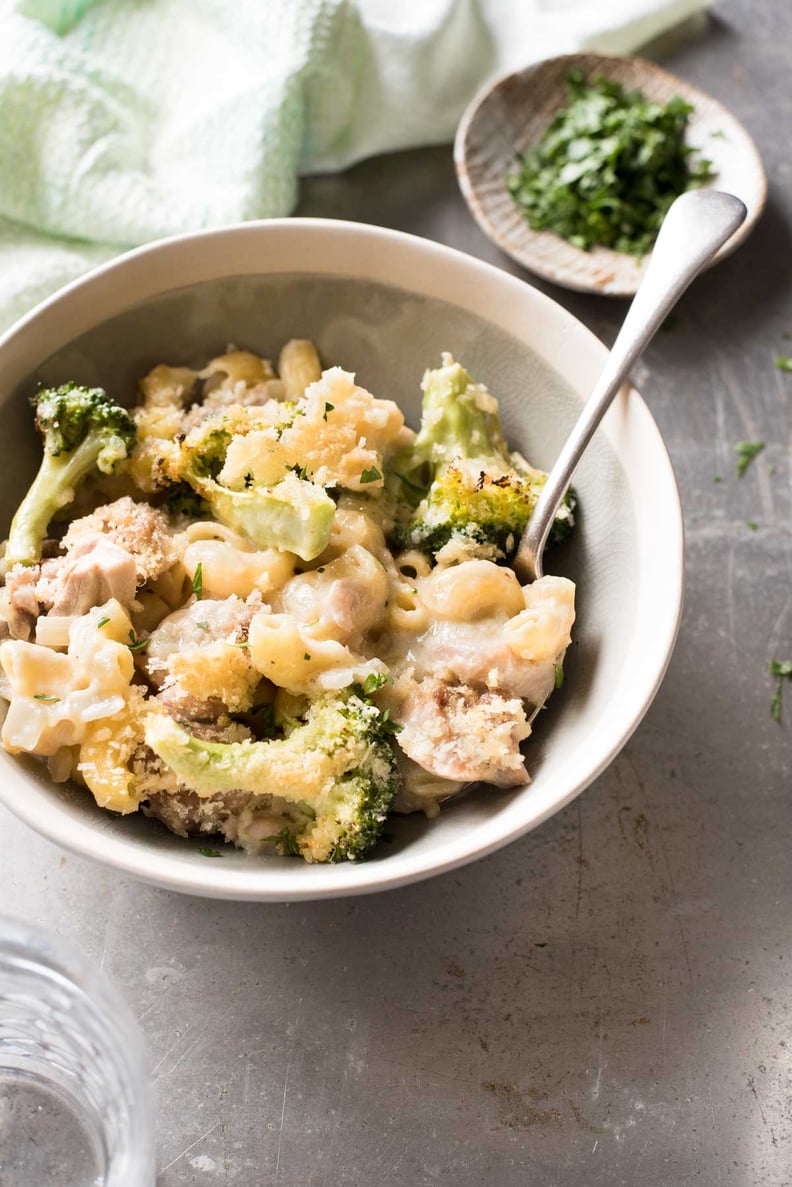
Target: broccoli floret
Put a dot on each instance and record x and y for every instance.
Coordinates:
(336, 766)
(83, 431)
(460, 477)
(182, 502)
(295, 515)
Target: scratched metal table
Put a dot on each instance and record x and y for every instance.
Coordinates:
(608, 1000)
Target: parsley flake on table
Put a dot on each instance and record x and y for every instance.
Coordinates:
(782, 670)
(608, 167)
(746, 452)
(784, 362)
(205, 852)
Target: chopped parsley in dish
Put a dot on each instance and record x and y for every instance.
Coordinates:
(608, 167)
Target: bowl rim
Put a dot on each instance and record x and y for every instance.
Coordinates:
(559, 274)
(393, 254)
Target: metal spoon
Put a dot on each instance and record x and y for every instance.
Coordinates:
(696, 226)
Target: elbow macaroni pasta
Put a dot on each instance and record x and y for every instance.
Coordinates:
(543, 630)
(53, 697)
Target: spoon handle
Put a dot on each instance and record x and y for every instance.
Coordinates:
(697, 224)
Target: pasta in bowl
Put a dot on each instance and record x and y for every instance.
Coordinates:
(259, 607)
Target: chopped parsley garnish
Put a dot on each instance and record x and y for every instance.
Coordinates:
(306, 655)
(374, 681)
(244, 643)
(782, 670)
(205, 852)
(301, 472)
(43, 696)
(752, 524)
(387, 724)
(608, 167)
(197, 581)
(717, 478)
(372, 475)
(286, 841)
(320, 569)
(746, 452)
(136, 644)
(784, 362)
(328, 408)
(103, 621)
(204, 626)
(558, 673)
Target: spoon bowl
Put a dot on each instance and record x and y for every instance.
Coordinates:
(510, 115)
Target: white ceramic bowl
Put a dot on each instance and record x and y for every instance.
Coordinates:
(383, 304)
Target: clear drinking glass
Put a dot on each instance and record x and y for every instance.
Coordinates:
(76, 1104)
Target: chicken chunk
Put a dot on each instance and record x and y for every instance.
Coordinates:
(248, 821)
(205, 621)
(186, 814)
(197, 659)
(19, 606)
(478, 654)
(514, 652)
(461, 734)
(139, 529)
(93, 572)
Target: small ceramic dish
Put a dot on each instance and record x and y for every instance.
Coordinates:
(509, 116)
(384, 305)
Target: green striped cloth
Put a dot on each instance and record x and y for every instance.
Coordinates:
(122, 121)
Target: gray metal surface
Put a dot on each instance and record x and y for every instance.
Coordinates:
(607, 1001)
